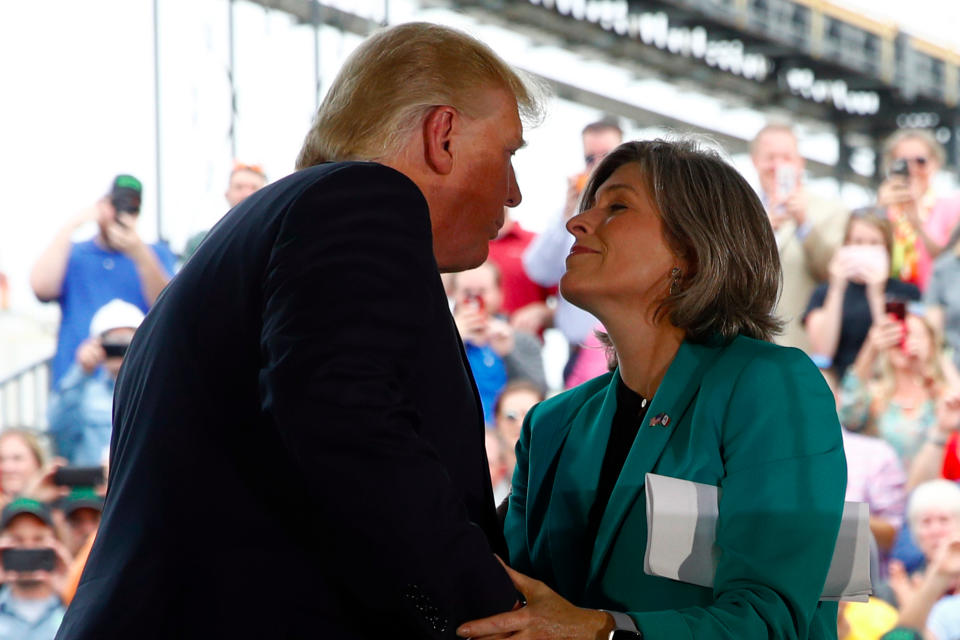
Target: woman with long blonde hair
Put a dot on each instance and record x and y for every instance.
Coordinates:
(896, 387)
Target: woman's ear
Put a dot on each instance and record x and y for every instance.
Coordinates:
(438, 132)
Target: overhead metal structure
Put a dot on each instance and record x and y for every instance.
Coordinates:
(819, 61)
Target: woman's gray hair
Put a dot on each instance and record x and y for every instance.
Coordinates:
(923, 135)
(941, 494)
(394, 78)
(714, 221)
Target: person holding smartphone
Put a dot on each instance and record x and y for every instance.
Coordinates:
(922, 219)
(808, 228)
(116, 263)
(33, 564)
(81, 405)
(840, 312)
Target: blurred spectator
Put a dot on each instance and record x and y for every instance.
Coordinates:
(545, 259)
(21, 459)
(496, 458)
(81, 407)
(938, 455)
(922, 220)
(943, 296)
(79, 516)
(497, 353)
(841, 312)
(808, 228)
(116, 263)
(30, 607)
(245, 179)
(876, 476)
(934, 515)
(865, 620)
(512, 406)
(593, 359)
(524, 301)
(900, 404)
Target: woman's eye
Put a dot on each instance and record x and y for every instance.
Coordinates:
(616, 206)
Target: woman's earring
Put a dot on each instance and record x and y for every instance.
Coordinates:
(675, 275)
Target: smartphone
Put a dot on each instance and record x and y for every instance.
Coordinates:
(44, 559)
(866, 257)
(78, 476)
(115, 350)
(899, 168)
(786, 180)
(898, 309)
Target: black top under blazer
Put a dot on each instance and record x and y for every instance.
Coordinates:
(298, 449)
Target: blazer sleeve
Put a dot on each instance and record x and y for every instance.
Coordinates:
(344, 295)
(781, 501)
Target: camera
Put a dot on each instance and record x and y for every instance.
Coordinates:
(44, 559)
(78, 476)
(899, 167)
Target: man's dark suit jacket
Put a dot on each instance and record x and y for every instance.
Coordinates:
(298, 444)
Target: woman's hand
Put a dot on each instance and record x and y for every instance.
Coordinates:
(903, 584)
(42, 488)
(885, 334)
(546, 616)
(896, 192)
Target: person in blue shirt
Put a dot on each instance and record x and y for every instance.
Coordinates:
(115, 263)
(81, 406)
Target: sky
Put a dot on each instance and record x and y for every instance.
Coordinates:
(78, 107)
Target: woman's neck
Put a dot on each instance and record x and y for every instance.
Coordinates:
(645, 352)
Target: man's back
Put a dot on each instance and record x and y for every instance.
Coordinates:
(344, 425)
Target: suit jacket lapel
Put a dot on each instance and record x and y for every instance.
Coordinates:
(575, 483)
(672, 399)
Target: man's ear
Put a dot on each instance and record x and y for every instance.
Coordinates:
(438, 132)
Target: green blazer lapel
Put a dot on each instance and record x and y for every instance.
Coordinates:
(669, 405)
(574, 485)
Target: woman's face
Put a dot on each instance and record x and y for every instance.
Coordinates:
(620, 257)
(513, 409)
(17, 464)
(921, 163)
(934, 526)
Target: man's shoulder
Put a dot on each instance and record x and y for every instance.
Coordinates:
(363, 174)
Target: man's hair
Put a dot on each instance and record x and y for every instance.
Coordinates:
(772, 127)
(515, 386)
(607, 124)
(923, 135)
(714, 220)
(393, 80)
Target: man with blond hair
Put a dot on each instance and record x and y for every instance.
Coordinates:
(808, 228)
(298, 448)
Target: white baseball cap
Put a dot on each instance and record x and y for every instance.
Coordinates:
(116, 314)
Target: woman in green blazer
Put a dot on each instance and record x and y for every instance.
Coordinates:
(674, 253)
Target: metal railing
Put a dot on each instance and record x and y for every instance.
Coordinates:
(24, 395)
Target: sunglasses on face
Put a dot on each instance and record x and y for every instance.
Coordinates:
(920, 161)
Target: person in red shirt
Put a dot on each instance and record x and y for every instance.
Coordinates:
(524, 301)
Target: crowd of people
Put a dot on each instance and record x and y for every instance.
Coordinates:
(872, 296)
